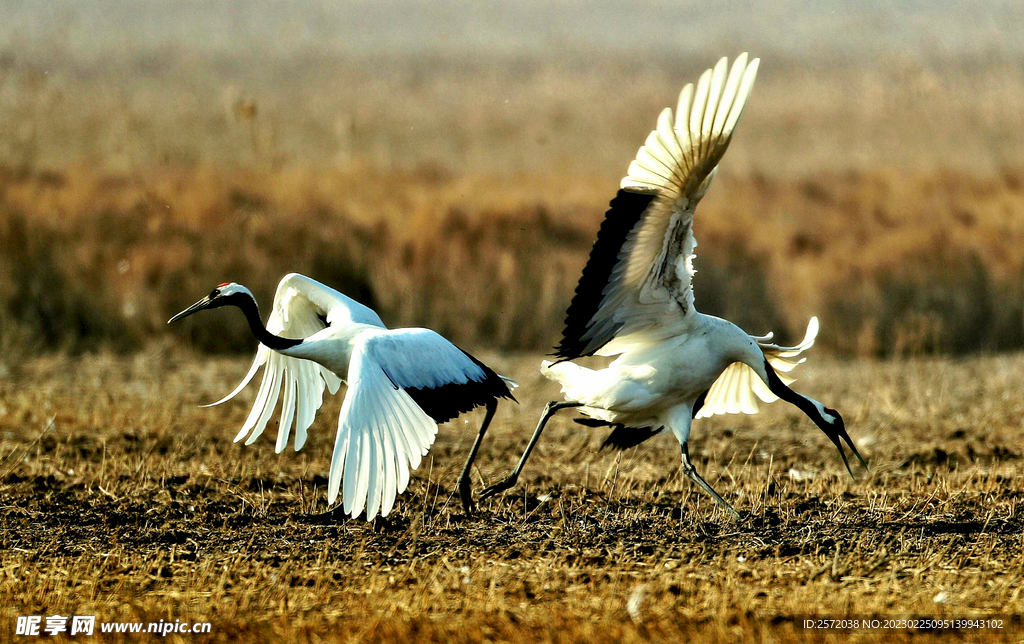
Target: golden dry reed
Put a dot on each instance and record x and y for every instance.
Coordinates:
(893, 262)
(884, 193)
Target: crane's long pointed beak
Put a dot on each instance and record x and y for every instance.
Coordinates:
(198, 306)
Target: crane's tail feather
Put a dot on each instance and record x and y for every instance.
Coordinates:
(774, 350)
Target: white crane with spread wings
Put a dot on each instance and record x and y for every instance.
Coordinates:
(635, 298)
(401, 384)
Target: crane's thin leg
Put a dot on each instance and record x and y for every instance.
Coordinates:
(549, 410)
(464, 483)
(691, 472)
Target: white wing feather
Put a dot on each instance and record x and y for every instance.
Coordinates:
(382, 433)
(649, 292)
(422, 358)
(678, 162)
(300, 307)
(738, 389)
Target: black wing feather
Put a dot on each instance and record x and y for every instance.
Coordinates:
(624, 213)
(622, 437)
(448, 401)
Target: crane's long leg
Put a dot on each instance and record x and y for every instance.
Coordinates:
(691, 472)
(549, 410)
(464, 483)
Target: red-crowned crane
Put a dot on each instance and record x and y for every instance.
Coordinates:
(635, 299)
(401, 384)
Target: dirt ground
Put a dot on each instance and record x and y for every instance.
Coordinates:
(121, 498)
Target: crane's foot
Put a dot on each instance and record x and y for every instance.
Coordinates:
(691, 472)
(498, 488)
(550, 410)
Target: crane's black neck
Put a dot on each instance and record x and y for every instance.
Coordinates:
(803, 403)
(252, 316)
(828, 420)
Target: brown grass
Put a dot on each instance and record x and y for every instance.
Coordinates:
(894, 262)
(120, 498)
(462, 193)
(502, 113)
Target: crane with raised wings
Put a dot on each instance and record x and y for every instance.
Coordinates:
(401, 384)
(635, 299)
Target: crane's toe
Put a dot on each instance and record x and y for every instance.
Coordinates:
(498, 488)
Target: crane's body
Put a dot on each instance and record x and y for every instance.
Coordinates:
(332, 348)
(635, 299)
(402, 384)
(656, 381)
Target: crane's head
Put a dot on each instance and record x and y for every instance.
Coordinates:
(227, 294)
(830, 422)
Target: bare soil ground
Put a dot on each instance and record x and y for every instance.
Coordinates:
(121, 498)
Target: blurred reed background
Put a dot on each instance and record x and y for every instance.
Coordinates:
(449, 165)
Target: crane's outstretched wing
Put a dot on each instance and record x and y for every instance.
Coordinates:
(402, 383)
(738, 389)
(637, 283)
(302, 307)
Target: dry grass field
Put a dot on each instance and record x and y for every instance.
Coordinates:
(119, 497)
(449, 164)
